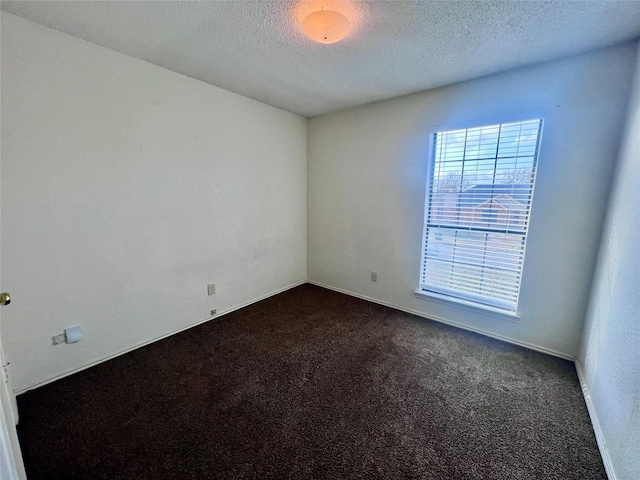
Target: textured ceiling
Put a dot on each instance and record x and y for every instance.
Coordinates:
(397, 47)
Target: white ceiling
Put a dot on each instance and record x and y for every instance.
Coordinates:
(397, 47)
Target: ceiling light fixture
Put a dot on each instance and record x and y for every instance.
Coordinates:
(326, 26)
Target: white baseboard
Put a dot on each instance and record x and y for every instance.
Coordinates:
(585, 387)
(602, 445)
(84, 366)
(604, 453)
(436, 318)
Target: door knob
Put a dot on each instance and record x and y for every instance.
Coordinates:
(5, 299)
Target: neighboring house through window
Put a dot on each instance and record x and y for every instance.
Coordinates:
(479, 195)
(489, 216)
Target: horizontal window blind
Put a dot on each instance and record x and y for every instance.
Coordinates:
(479, 197)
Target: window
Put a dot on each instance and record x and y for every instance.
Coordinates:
(489, 216)
(473, 247)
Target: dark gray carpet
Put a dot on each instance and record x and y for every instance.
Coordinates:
(312, 384)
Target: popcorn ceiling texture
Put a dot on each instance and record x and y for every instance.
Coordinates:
(256, 49)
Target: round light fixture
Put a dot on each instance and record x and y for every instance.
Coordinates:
(326, 26)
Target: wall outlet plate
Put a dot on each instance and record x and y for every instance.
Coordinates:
(374, 276)
(211, 288)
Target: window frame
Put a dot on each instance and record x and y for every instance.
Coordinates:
(466, 300)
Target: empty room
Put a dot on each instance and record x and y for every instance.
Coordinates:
(320, 240)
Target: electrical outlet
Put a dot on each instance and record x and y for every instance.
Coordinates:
(374, 276)
(211, 288)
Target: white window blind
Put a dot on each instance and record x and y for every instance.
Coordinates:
(477, 209)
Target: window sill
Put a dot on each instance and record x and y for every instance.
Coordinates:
(468, 305)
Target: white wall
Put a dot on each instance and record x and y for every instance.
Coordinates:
(610, 353)
(126, 188)
(367, 170)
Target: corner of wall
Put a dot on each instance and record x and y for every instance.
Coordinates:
(593, 415)
(608, 359)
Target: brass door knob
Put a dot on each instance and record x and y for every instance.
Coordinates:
(5, 299)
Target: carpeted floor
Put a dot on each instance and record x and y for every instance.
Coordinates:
(312, 384)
